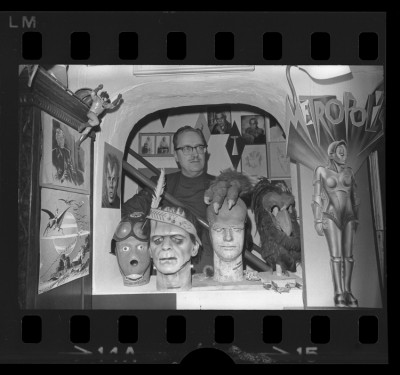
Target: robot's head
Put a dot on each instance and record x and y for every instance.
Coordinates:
(337, 151)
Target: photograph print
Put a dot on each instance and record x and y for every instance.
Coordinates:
(64, 238)
(64, 164)
(147, 144)
(253, 129)
(219, 119)
(163, 145)
(112, 171)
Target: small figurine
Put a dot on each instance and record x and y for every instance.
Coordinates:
(100, 103)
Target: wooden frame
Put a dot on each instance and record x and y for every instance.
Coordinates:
(156, 144)
(46, 97)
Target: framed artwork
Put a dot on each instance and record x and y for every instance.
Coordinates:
(219, 119)
(254, 160)
(63, 164)
(156, 144)
(278, 162)
(112, 173)
(253, 129)
(64, 238)
(275, 132)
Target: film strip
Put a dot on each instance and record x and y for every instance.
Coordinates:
(74, 307)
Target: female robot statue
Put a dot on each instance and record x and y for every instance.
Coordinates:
(335, 209)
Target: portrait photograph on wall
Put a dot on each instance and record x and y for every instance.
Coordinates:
(279, 163)
(147, 144)
(64, 238)
(253, 129)
(254, 160)
(219, 119)
(64, 163)
(164, 144)
(112, 171)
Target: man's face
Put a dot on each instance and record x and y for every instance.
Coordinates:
(227, 239)
(192, 165)
(60, 138)
(253, 123)
(170, 247)
(219, 117)
(112, 183)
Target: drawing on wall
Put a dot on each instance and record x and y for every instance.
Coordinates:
(64, 238)
(253, 129)
(335, 152)
(219, 119)
(112, 171)
(64, 164)
(254, 160)
(279, 163)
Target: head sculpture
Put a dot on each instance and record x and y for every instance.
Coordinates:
(173, 242)
(131, 249)
(111, 175)
(227, 232)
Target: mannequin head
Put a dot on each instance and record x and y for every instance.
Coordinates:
(227, 231)
(131, 249)
(173, 242)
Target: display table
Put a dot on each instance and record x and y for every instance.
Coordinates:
(206, 294)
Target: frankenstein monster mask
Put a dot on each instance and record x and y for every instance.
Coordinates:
(131, 249)
(173, 242)
(227, 237)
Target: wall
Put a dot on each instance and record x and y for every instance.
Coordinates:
(266, 88)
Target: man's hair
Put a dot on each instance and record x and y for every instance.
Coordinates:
(187, 214)
(105, 95)
(222, 113)
(255, 119)
(114, 163)
(185, 129)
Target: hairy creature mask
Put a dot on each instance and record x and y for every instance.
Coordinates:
(276, 220)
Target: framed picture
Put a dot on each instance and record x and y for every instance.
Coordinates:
(64, 238)
(253, 129)
(64, 164)
(278, 162)
(275, 132)
(112, 172)
(254, 160)
(164, 145)
(156, 144)
(219, 119)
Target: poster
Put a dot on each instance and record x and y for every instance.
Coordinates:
(64, 238)
(112, 172)
(64, 164)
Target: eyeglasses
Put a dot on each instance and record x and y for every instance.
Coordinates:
(187, 150)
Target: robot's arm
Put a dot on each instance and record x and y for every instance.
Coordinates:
(317, 201)
(355, 200)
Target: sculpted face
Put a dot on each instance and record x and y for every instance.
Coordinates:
(192, 165)
(341, 154)
(170, 247)
(132, 253)
(112, 182)
(227, 230)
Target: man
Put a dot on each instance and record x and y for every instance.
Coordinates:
(61, 157)
(111, 180)
(173, 242)
(188, 185)
(222, 125)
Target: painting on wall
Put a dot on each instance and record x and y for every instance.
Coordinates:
(254, 160)
(64, 164)
(279, 163)
(219, 119)
(253, 129)
(112, 172)
(64, 238)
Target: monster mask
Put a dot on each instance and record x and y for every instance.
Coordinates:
(131, 249)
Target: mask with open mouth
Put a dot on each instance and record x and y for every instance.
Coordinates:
(131, 250)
